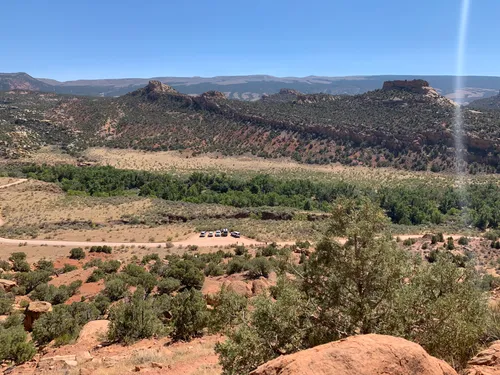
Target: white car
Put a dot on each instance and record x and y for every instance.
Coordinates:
(210, 234)
(217, 233)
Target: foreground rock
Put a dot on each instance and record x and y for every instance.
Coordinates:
(486, 362)
(93, 332)
(33, 312)
(360, 355)
(7, 285)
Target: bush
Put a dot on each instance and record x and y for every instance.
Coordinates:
(101, 249)
(240, 250)
(68, 268)
(168, 285)
(6, 301)
(259, 267)
(14, 345)
(45, 265)
(228, 311)
(409, 241)
(30, 280)
(115, 289)
(450, 245)
(96, 275)
(55, 295)
(5, 265)
(110, 266)
(93, 263)
(189, 275)
(236, 265)
(101, 302)
(77, 253)
(213, 269)
(189, 311)
(19, 263)
(55, 324)
(149, 257)
(133, 320)
(463, 241)
(270, 250)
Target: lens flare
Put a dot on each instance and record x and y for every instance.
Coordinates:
(459, 85)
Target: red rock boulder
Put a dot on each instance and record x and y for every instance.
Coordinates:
(360, 355)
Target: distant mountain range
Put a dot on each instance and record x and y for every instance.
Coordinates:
(251, 87)
(403, 124)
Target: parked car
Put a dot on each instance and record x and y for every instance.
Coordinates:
(225, 232)
(235, 234)
(203, 233)
(217, 233)
(210, 234)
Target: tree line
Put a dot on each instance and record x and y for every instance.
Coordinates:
(409, 203)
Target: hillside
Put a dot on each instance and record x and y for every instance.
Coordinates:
(487, 103)
(405, 125)
(252, 87)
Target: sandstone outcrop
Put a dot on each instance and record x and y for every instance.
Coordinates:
(217, 95)
(7, 285)
(33, 312)
(360, 355)
(486, 362)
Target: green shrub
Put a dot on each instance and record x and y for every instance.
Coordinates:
(133, 320)
(270, 250)
(168, 285)
(45, 265)
(30, 280)
(54, 324)
(55, 295)
(14, 345)
(96, 275)
(68, 268)
(93, 263)
(115, 289)
(149, 257)
(77, 253)
(110, 266)
(101, 249)
(463, 241)
(409, 241)
(5, 265)
(228, 310)
(213, 269)
(189, 311)
(19, 263)
(6, 301)
(101, 302)
(236, 265)
(186, 271)
(240, 250)
(259, 267)
(450, 245)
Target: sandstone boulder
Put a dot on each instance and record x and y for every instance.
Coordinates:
(7, 285)
(486, 362)
(33, 312)
(360, 355)
(239, 287)
(92, 333)
(259, 286)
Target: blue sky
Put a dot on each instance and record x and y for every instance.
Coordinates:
(71, 39)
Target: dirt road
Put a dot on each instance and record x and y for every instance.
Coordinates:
(192, 240)
(20, 181)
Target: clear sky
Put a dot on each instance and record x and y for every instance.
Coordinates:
(71, 39)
